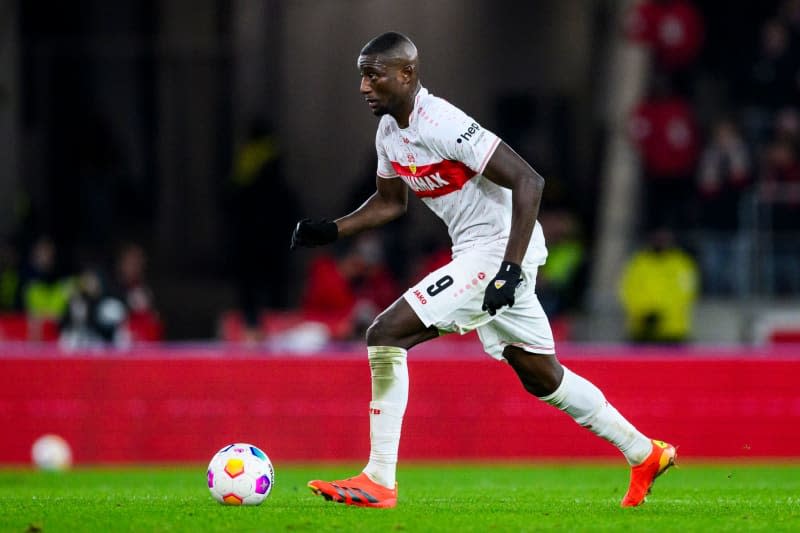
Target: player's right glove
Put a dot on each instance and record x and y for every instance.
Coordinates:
(314, 233)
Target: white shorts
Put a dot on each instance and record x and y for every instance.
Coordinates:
(451, 297)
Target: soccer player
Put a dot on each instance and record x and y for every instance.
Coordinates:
(489, 198)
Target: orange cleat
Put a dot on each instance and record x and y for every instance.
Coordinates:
(359, 490)
(642, 476)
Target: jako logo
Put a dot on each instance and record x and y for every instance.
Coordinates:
(420, 297)
(472, 130)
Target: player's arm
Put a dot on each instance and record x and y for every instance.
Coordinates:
(509, 170)
(387, 203)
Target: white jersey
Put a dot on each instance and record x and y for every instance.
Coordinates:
(440, 156)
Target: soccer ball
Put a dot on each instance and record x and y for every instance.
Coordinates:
(51, 452)
(240, 474)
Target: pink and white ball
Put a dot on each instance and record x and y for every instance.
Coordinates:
(240, 474)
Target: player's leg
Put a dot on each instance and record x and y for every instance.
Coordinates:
(544, 377)
(540, 374)
(432, 305)
(388, 338)
(399, 326)
(522, 336)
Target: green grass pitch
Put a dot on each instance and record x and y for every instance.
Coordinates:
(433, 497)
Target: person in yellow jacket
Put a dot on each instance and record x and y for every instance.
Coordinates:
(45, 295)
(658, 289)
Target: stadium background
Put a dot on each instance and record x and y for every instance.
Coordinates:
(160, 96)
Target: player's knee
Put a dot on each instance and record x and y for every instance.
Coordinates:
(380, 332)
(530, 382)
(539, 375)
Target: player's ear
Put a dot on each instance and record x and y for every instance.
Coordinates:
(408, 73)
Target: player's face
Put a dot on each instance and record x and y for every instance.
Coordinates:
(382, 85)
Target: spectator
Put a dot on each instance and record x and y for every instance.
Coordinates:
(260, 208)
(673, 29)
(781, 168)
(131, 283)
(780, 196)
(725, 163)
(351, 287)
(724, 176)
(680, 34)
(328, 289)
(658, 288)
(132, 289)
(44, 293)
(641, 22)
(557, 284)
(664, 130)
(780, 174)
(93, 318)
(770, 81)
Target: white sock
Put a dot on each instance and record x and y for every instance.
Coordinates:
(389, 399)
(587, 405)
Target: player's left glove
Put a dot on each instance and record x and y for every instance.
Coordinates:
(501, 289)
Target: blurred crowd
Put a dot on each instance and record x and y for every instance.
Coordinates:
(718, 141)
(42, 298)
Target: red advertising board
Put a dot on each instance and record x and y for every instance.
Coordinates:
(182, 404)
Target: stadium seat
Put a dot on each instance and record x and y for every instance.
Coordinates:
(13, 327)
(785, 336)
(18, 327)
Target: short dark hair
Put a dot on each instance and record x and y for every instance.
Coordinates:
(384, 43)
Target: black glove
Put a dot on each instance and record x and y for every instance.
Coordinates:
(314, 233)
(500, 291)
